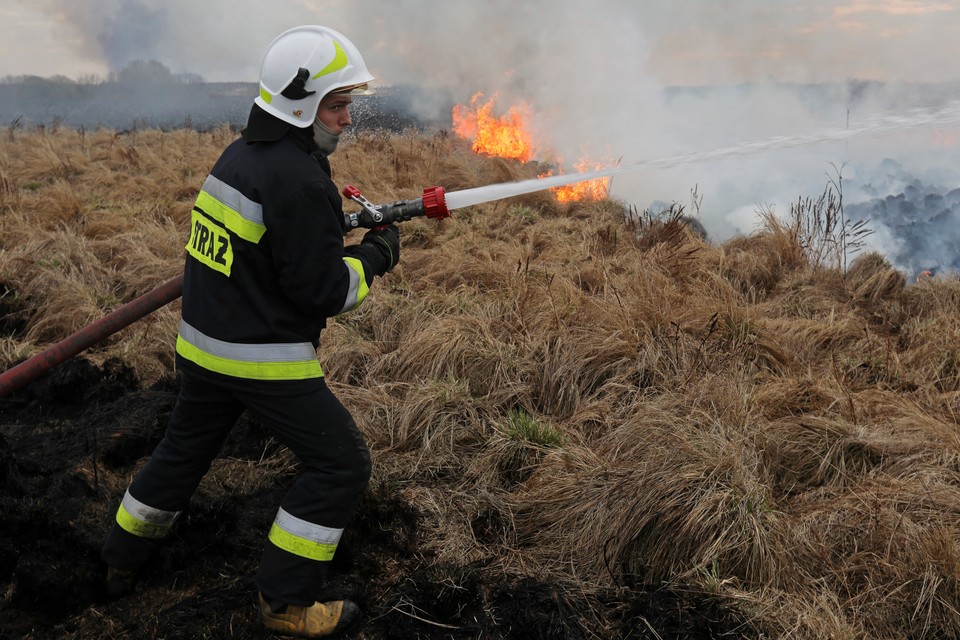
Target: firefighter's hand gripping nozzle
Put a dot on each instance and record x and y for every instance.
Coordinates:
(432, 204)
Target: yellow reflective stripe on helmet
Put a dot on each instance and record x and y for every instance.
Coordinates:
(358, 285)
(303, 538)
(265, 95)
(339, 62)
(232, 209)
(145, 522)
(273, 361)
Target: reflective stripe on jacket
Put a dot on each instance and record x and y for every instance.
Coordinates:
(266, 263)
(284, 361)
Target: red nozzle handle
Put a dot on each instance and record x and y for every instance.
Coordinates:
(435, 203)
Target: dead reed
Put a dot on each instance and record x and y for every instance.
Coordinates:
(570, 391)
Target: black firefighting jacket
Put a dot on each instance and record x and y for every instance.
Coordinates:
(266, 263)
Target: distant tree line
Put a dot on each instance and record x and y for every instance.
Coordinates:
(136, 73)
(143, 94)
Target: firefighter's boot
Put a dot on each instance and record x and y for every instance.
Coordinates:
(119, 582)
(319, 620)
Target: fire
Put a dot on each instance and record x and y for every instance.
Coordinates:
(597, 189)
(510, 136)
(506, 137)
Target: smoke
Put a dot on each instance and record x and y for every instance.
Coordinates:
(917, 219)
(626, 81)
(220, 40)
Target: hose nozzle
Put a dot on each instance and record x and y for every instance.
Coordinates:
(432, 205)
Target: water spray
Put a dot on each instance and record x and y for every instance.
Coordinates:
(436, 203)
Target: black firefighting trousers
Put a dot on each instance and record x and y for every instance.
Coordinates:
(306, 417)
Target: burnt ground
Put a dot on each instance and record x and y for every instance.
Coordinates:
(69, 443)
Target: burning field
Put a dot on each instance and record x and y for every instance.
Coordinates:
(511, 135)
(586, 421)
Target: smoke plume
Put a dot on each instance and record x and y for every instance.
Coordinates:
(618, 79)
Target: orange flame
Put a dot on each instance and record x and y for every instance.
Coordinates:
(506, 137)
(596, 189)
(509, 136)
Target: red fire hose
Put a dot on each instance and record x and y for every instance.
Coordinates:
(34, 367)
(432, 205)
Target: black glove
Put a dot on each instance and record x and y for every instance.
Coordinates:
(387, 243)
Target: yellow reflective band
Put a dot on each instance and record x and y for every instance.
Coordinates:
(358, 285)
(265, 95)
(230, 218)
(301, 546)
(210, 244)
(301, 370)
(138, 527)
(339, 61)
(141, 520)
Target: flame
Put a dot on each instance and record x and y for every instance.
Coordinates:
(597, 189)
(506, 137)
(510, 136)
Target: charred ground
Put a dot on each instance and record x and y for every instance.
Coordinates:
(69, 443)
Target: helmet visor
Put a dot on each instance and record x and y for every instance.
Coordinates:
(361, 89)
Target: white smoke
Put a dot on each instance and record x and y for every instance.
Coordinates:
(617, 79)
(221, 40)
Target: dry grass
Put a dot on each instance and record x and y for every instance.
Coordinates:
(569, 391)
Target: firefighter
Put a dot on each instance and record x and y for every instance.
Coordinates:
(265, 267)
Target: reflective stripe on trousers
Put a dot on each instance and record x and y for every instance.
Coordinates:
(303, 415)
(144, 521)
(303, 538)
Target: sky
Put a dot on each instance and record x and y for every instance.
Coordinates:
(601, 76)
(679, 41)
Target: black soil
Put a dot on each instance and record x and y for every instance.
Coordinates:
(69, 445)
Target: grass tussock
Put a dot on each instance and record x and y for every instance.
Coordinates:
(573, 391)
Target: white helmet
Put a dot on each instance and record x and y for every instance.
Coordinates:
(304, 64)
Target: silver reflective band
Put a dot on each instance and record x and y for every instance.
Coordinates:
(271, 352)
(353, 295)
(307, 530)
(247, 208)
(144, 521)
(146, 513)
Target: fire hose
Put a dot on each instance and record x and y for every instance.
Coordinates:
(431, 205)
